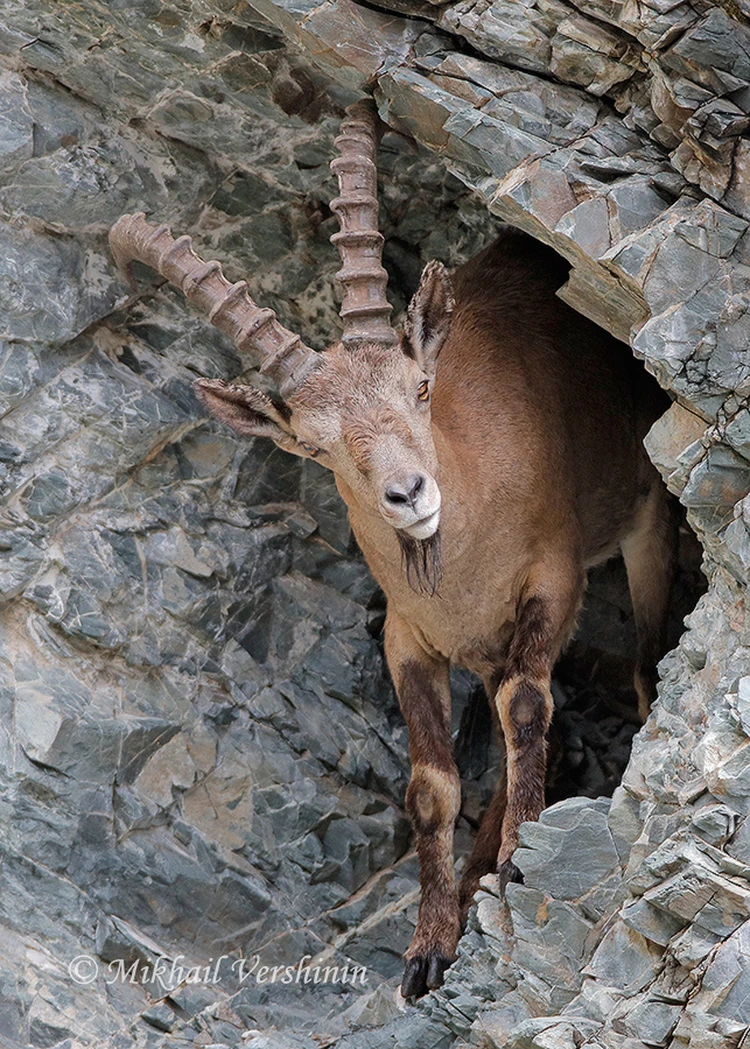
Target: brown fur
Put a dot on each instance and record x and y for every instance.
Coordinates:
(433, 800)
(531, 458)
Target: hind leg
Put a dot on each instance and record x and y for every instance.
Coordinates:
(483, 858)
(650, 555)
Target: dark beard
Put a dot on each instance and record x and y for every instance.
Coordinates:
(422, 562)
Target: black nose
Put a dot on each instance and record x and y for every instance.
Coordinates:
(405, 492)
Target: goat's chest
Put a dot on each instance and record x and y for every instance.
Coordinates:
(468, 621)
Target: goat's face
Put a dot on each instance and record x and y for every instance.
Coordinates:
(364, 413)
(367, 415)
(362, 406)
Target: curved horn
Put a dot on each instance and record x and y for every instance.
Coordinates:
(365, 310)
(280, 353)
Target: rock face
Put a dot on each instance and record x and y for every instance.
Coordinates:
(200, 754)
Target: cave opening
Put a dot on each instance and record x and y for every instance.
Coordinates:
(596, 709)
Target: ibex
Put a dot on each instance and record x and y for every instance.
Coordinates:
(488, 454)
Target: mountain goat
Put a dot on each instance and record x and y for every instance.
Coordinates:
(489, 454)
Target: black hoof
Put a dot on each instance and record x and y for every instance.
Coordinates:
(508, 872)
(424, 973)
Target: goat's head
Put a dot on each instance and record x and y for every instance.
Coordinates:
(362, 406)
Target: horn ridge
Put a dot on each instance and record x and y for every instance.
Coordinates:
(365, 310)
(255, 330)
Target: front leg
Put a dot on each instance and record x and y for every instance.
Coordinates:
(544, 623)
(433, 800)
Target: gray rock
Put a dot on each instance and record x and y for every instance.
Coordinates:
(549, 941)
(723, 990)
(16, 122)
(569, 851)
(49, 306)
(624, 960)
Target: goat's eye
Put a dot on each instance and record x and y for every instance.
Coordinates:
(423, 391)
(310, 449)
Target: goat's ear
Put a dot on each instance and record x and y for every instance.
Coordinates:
(428, 318)
(248, 411)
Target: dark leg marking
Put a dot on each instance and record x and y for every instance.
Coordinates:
(433, 800)
(525, 706)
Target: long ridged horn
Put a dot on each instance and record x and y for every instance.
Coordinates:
(365, 310)
(279, 352)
